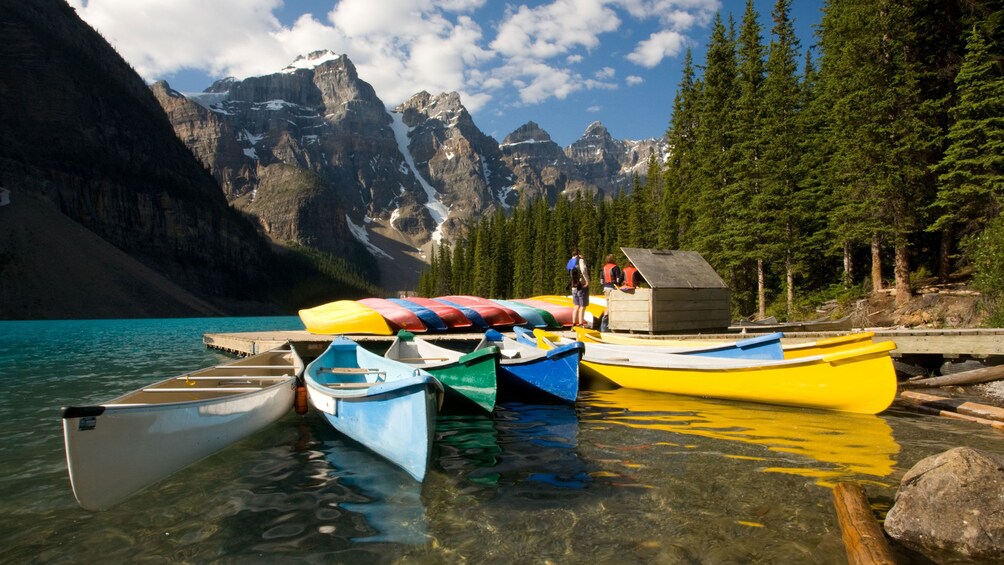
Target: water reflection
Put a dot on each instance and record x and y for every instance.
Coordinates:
(847, 444)
(520, 444)
(387, 498)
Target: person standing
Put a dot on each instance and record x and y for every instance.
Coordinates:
(579, 281)
(630, 276)
(611, 278)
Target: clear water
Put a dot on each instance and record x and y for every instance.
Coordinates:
(621, 477)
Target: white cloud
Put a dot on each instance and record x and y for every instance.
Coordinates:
(605, 73)
(653, 50)
(402, 46)
(594, 109)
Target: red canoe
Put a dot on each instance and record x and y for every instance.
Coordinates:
(494, 314)
(562, 314)
(395, 314)
(450, 315)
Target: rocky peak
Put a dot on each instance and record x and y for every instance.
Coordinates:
(528, 132)
(311, 60)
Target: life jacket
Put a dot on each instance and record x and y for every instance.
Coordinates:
(610, 275)
(629, 276)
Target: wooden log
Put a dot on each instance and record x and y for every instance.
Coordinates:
(864, 540)
(981, 375)
(955, 405)
(955, 415)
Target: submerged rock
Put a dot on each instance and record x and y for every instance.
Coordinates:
(952, 502)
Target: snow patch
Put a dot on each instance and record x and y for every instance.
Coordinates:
(250, 152)
(436, 208)
(359, 232)
(310, 61)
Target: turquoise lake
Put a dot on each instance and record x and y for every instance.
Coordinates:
(620, 477)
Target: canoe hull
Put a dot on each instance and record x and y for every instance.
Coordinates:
(119, 448)
(469, 378)
(525, 369)
(390, 409)
(861, 381)
(344, 317)
(764, 347)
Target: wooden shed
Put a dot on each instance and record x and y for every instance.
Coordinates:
(681, 293)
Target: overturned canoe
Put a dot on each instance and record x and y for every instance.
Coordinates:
(387, 406)
(450, 315)
(491, 313)
(428, 317)
(122, 446)
(398, 316)
(534, 317)
(344, 317)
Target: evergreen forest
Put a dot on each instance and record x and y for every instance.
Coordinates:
(870, 160)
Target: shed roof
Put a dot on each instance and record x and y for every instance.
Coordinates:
(673, 269)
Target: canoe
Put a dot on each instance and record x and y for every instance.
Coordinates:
(431, 320)
(860, 380)
(766, 346)
(388, 407)
(597, 303)
(344, 317)
(533, 317)
(471, 314)
(469, 378)
(549, 319)
(525, 370)
(117, 448)
(791, 351)
(451, 315)
(490, 313)
(396, 315)
(562, 314)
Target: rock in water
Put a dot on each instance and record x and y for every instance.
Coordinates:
(952, 502)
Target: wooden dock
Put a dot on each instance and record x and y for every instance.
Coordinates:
(946, 343)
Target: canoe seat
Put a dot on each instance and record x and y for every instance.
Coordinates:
(381, 376)
(417, 359)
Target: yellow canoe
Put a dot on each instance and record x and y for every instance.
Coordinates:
(597, 303)
(344, 317)
(860, 380)
(845, 444)
(791, 351)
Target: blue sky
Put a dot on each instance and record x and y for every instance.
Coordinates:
(561, 63)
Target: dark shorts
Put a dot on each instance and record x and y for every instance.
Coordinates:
(580, 296)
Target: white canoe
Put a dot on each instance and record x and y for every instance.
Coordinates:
(122, 446)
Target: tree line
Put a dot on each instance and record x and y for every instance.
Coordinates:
(798, 177)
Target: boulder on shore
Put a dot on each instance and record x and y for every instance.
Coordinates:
(952, 502)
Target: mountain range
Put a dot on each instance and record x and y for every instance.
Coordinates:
(314, 154)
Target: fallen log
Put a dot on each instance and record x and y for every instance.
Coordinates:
(976, 376)
(955, 415)
(954, 405)
(864, 540)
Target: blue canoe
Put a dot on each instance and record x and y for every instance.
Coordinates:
(388, 407)
(533, 316)
(765, 347)
(526, 369)
(476, 319)
(428, 317)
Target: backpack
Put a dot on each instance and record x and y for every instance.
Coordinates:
(575, 277)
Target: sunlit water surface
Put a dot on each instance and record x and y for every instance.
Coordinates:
(621, 477)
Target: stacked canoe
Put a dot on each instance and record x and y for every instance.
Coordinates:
(383, 316)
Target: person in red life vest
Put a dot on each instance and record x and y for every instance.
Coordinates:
(631, 276)
(579, 284)
(611, 278)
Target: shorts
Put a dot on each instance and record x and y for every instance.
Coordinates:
(580, 296)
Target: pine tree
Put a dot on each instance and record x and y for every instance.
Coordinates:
(778, 211)
(676, 214)
(971, 174)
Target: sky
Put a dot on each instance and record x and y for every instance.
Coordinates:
(560, 63)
